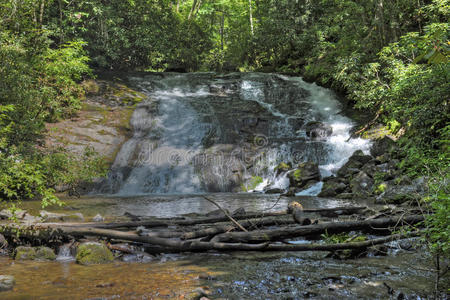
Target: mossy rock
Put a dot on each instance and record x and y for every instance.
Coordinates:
(34, 253)
(92, 253)
(25, 253)
(45, 253)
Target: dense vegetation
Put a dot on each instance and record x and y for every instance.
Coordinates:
(388, 57)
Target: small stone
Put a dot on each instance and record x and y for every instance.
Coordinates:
(7, 283)
(98, 218)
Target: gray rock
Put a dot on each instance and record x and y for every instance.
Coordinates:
(7, 283)
(360, 157)
(397, 194)
(332, 188)
(362, 185)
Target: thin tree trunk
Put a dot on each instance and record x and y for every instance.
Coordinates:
(251, 16)
(41, 13)
(194, 4)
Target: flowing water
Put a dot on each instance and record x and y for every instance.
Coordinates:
(206, 132)
(209, 133)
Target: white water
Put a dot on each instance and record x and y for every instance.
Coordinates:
(214, 133)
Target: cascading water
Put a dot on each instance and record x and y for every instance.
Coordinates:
(205, 132)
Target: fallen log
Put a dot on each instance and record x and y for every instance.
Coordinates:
(329, 227)
(208, 220)
(173, 245)
(211, 231)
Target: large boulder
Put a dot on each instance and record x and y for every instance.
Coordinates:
(382, 146)
(354, 164)
(91, 253)
(360, 157)
(306, 174)
(362, 185)
(318, 130)
(332, 186)
(6, 283)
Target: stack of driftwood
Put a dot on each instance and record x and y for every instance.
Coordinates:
(262, 231)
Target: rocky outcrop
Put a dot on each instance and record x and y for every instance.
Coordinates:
(366, 176)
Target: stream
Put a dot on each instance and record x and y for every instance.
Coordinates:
(223, 135)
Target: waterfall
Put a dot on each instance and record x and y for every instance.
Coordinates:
(206, 132)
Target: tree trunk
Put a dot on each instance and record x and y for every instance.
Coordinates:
(250, 15)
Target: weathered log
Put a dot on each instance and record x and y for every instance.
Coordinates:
(249, 224)
(329, 227)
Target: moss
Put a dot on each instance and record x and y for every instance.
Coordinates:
(25, 253)
(380, 188)
(283, 166)
(45, 253)
(254, 182)
(93, 253)
(297, 174)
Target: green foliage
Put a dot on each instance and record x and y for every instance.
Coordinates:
(23, 179)
(438, 223)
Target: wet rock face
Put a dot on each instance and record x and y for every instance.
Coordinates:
(93, 253)
(209, 132)
(7, 283)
